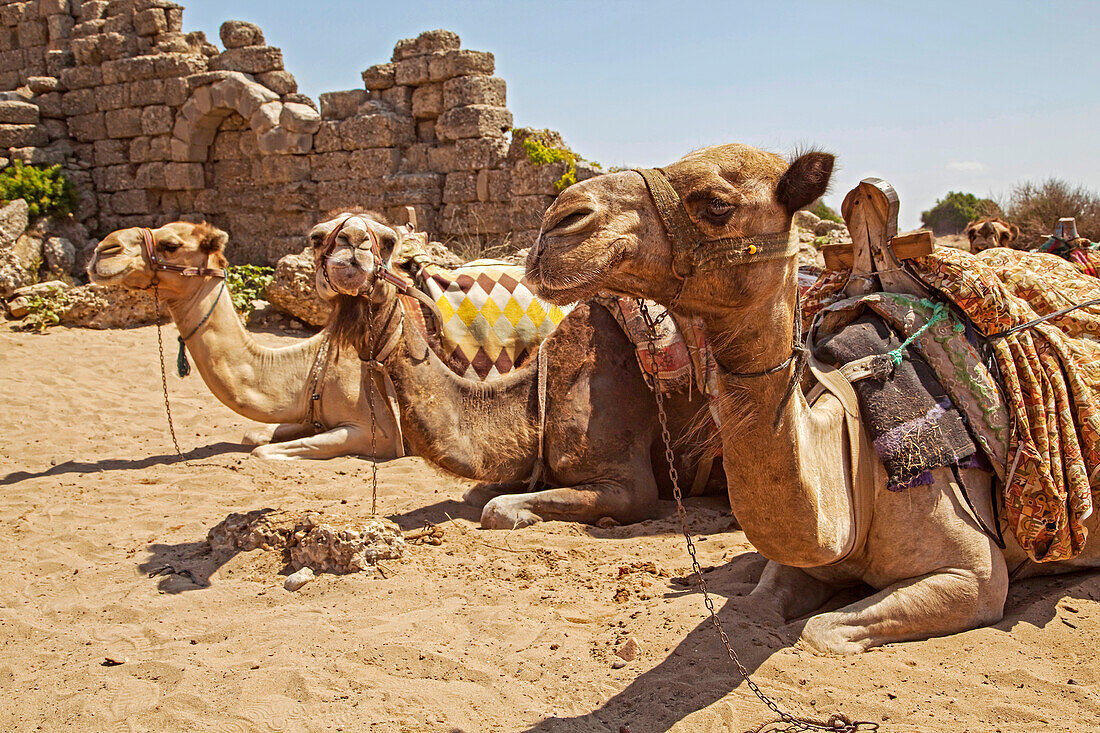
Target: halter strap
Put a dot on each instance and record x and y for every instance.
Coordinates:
(375, 248)
(149, 247)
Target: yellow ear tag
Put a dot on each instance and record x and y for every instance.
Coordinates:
(752, 249)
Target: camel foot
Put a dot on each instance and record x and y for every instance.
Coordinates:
(482, 494)
(258, 436)
(271, 452)
(827, 634)
(507, 512)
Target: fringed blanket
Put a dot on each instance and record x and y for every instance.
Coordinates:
(1043, 438)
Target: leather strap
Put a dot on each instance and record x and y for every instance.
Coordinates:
(149, 247)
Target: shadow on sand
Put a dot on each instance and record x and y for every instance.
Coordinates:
(125, 464)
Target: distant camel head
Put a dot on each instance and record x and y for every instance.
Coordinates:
(990, 232)
(120, 259)
(348, 263)
(607, 234)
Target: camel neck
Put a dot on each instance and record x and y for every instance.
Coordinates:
(793, 504)
(263, 384)
(478, 430)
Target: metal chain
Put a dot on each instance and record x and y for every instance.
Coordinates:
(836, 723)
(163, 371)
(370, 407)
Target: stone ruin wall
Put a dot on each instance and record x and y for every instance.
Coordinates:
(154, 125)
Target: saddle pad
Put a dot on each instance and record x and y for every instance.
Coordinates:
(491, 319)
(912, 422)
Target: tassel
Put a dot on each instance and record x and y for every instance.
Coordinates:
(182, 365)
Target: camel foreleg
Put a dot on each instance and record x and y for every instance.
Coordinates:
(942, 602)
(278, 433)
(790, 592)
(340, 441)
(584, 503)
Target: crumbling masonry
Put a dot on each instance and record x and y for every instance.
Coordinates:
(153, 125)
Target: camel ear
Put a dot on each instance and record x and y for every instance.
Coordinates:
(1014, 231)
(211, 239)
(972, 230)
(805, 180)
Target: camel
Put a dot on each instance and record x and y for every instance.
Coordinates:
(598, 446)
(263, 384)
(787, 463)
(991, 232)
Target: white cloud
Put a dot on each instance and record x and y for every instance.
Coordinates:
(966, 166)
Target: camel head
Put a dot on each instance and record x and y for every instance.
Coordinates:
(607, 234)
(991, 232)
(120, 259)
(349, 263)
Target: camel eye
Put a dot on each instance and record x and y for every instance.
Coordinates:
(718, 209)
(170, 246)
(316, 240)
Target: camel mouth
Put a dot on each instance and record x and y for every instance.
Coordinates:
(579, 282)
(109, 266)
(347, 278)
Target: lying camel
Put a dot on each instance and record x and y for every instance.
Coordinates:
(991, 232)
(600, 445)
(260, 383)
(933, 570)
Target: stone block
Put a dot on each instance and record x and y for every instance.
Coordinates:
(526, 211)
(227, 145)
(111, 152)
(327, 139)
(279, 81)
(49, 105)
(53, 7)
(427, 101)
(32, 33)
(123, 123)
(250, 59)
(450, 64)
(12, 60)
(150, 22)
(460, 187)
(411, 72)
(444, 159)
(156, 120)
(59, 60)
(425, 131)
(43, 84)
(232, 172)
(18, 136)
(464, 90)
(145, 149)
(473, 121)
(185, 150)
(341, 105)
(111, 96)
(59, 27)
(382, 130)
(153, 66)
(147, 91)
(280, 141)
(118, 45)
(375, 162)
(87, 128)
(114, 178)
(133, 202)
(84, 29)
(348, 192)
(396, 99)
(284, 168)
(11, 13)
(379, 77)
(413, 188)
(175, 92)
(238, 34)
(151, 175)
(252, 97)
(330, 166)
(184, 176)
(472, 219)
(434, 41)
(93, 10)
(18, 113)
(299, 118)
(494, 185)
(266, 117)
(80, 77)
(528, 178)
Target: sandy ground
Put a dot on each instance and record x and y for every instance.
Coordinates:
(490, 631)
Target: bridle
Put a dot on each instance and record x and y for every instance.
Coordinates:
(376, 250)
(694, 251)
(149, 250)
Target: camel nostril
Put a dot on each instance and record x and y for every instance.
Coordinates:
(573, 222)
(110, 249)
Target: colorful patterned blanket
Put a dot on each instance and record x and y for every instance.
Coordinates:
(491, 319)
(1043, 438)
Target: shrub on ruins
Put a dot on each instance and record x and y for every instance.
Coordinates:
(246, 284)
(823, 211)
(1036, 207)
(954, 211)
(45, 189)
(540, 153)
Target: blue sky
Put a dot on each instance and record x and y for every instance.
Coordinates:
(932, 96)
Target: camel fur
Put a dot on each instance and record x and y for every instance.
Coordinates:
(263, 384)
(931, 568)
(602, 451)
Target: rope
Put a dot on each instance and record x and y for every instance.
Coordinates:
(183, 367)
(938, 314)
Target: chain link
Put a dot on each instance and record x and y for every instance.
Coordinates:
(837, 723)
(163, 371)
(370, 407)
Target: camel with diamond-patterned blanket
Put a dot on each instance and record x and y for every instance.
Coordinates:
(576, 421)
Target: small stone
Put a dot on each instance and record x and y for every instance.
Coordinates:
(618, 664)
(630, 650)
(113, 660)
(296, 580)
(606, 523)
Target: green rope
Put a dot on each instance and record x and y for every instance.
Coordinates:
(183, 367)
(938, 314)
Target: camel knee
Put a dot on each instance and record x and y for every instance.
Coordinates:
(270, 452)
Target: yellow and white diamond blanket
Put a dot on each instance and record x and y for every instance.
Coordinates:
(491, 319)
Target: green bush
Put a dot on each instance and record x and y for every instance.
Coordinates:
(45, 309)
(246, 283)
(954, 211)
(46, 190)
(541, 154)
(822, 211)
(1037, 207)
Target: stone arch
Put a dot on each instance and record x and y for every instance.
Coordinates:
(280, 128)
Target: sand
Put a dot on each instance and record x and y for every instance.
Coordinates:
(115, 616)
